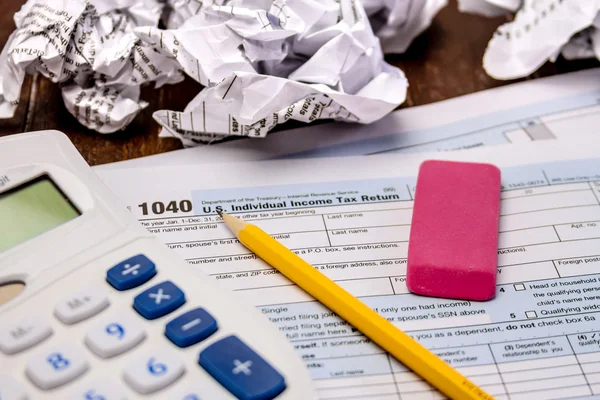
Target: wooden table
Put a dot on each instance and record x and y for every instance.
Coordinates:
(442, 63)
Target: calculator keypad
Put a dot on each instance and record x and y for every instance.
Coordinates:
(115, 335)
(28, 332)
(154, 371)
(11, 390)
(99, 389)
(56, 366)
(235, 366)
(81, 305)
(159, 300)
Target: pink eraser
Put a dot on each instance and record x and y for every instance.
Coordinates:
(453, 246)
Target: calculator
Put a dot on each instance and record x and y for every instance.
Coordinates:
(96, 308)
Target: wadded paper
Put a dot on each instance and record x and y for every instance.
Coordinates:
(541, 31)
(262, 62)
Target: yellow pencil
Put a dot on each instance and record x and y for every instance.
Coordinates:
(416, 357)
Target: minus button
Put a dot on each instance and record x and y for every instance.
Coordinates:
(191, 327)
(190, 324)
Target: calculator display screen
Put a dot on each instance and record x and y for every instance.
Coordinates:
(32, 209)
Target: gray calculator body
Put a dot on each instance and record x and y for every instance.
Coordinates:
(109, 312)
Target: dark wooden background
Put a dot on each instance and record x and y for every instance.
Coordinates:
(442, 63)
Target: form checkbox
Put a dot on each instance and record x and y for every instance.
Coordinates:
(519, 286)
(530, 314)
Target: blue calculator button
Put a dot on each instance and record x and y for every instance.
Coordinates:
(243, 372)
(131, 273)
(159, 300)
(191, 327)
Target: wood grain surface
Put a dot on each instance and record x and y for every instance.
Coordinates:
(442, 63)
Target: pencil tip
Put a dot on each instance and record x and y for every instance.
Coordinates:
(220, 212)
(233, 223)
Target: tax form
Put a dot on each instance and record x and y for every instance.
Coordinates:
(350, 218)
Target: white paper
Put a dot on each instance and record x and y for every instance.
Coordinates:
(563, 106)
(540, 30)
(105, 109)
(91, 50)
(398, 22)
(40, 43)
(585, 44)
(275, 59)
(350, 218)
(11, 80)
(267, 62)
(489, 8)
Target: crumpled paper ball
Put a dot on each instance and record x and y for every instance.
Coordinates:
(540, 31)
(261, 62)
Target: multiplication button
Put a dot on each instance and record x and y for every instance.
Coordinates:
(29, 331)
(241, 371)
(154, 371)
(56, 366)
(131, 273)
(81, 305)
(115, 335)
(159, 300)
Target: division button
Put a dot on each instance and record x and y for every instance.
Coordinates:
(159, 300)
(241, 371)
(81, 305)
(56, 366)
(131, 273)
(154, 371)
(191, 327)
(115, 335)
(22, 335)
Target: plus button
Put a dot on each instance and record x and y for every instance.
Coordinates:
(241, 370)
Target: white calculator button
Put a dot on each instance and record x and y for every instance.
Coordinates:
(56, 366)
(154, 371)
(81, 305)
(98, 389)
(11, 390)
(115, 335)
(202, 390)
(19, 336)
